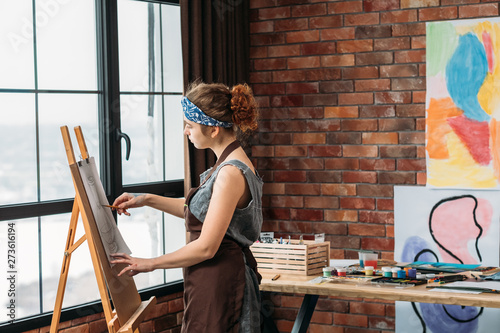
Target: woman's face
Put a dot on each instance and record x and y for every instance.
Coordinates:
(195, 133)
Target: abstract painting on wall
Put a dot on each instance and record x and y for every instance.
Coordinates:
(450, 226)
(463, 104)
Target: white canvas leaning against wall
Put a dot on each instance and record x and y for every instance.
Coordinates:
(453, 226)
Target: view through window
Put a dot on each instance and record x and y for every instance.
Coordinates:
(52, 74)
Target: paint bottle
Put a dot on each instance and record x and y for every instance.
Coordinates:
(387, 271)
(401, 274)
(368, 270)
(412, 273)
(395, 271)
(341, 272)
(327, 272)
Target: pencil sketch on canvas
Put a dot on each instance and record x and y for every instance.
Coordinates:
(111, 237)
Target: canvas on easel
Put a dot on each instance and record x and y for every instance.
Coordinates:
(111, 237)
(103, 238)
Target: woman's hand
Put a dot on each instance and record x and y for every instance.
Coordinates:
(126, 201)
(135, 265)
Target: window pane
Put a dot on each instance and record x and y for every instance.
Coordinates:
(56, 110)
(34, 171)
(146, 133)
(134, 43)
(175, 238)
(143, 232)
(16, 45)
(172, 49)
(18, 179)
(174, 138)
(81, 286)
(26, 261)
(66, 44)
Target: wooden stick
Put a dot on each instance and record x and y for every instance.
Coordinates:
(81, 142)
(67, 145)
(56, 316)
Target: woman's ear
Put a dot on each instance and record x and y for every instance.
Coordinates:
(214, 131)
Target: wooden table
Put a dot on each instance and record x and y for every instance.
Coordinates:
(301, 285)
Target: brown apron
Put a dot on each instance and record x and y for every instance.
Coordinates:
(214, 288)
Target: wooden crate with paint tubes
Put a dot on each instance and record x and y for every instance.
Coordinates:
(292, 257)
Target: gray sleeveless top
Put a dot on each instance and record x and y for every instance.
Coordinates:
(244, 228)
(246, 223)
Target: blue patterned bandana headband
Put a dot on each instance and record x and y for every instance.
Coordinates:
(193, 113)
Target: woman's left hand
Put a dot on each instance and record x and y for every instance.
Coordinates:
(135, 265)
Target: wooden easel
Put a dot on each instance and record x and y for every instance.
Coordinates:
(129, 309)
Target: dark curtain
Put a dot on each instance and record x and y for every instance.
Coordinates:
(215, 48)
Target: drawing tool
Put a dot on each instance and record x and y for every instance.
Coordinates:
(276, 277)
(449, 278)
(111, 206)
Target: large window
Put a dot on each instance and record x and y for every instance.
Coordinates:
(114, 68)
(150, 94)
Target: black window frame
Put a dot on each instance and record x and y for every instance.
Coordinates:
(108, 93)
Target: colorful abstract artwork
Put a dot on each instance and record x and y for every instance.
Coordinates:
(450, 226)
(463, 104)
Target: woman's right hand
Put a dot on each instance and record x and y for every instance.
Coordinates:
(126, 201)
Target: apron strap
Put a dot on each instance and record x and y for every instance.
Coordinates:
(228, 150)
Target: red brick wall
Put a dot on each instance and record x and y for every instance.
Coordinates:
(166, 317)
(341, 85)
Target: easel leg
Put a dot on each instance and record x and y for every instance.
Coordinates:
(101, 282)
(65, 268)
(106, 304)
